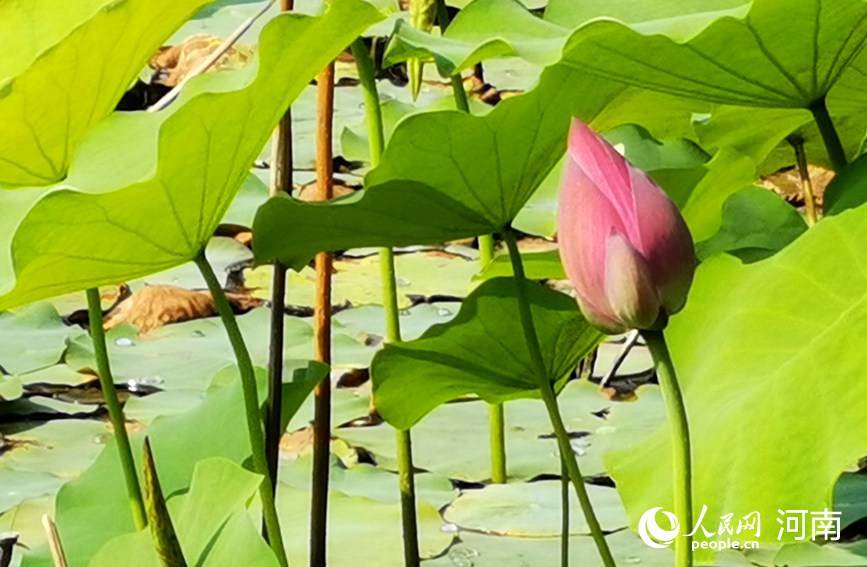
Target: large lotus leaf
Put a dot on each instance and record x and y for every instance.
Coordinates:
(778, 54)
(483, 30)
(496, 28)
(444, 175)
(481, 351)
(211, 512)
(147, 190)
(237, 542)
(771, 359)
(685, 49)
(63, 67)
(93, 509)
(763, 134)
(688, 16)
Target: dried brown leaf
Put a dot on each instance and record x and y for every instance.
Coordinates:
(158, 305)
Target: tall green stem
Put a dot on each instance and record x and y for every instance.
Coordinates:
(115, 412)
(797, 143)
(461, 101)
(281, 182)
(564, 511)
(496, 412)
(251, 406)
(829, 134)
(566, 453)
(680, 443)
(376, 138)
(486, 254)
(497, 419)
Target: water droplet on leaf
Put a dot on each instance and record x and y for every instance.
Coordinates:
(124, 342)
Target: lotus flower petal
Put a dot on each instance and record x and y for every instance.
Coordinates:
(625, 247)
(628, 284)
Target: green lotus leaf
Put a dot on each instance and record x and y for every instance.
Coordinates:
(770, 355)
(63, 67)
(147, 190)
(481, 351)
(444, 175)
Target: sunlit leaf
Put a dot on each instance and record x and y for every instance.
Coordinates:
(770, 355)
(481, 351)
(63, 67)
(756, 224)
(445, 175)
(147, 190)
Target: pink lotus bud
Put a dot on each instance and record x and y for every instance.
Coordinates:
(625, 246)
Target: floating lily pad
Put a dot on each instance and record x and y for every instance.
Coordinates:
(63, 448)
(187, 355)
(361, 531)
(370, 319)
(532, 509)
(57, 375)
(33, 338)
(367, 481)
(481, 550)
(453, 440)
(359, 281)
(24, 485)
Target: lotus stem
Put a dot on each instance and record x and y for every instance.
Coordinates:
(829, 134)
(564, 511)
(680, 441)
(322, 327)
(251, 406)
(806, 183)
(486, 255)
(496, 412)
(567, 455)
(281, 182)
(497, 419)
(388, 277)
(115, 412)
